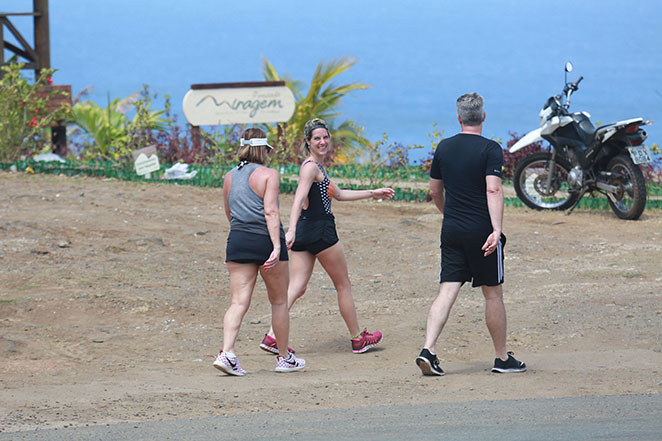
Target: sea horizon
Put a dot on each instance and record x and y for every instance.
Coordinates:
(417, 61)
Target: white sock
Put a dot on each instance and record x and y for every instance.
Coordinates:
(230, 355)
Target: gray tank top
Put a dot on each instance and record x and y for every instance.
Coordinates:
(246, 207)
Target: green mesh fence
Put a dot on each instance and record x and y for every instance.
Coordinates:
(207, 176)
(212, 176)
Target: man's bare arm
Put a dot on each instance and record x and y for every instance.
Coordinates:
(495, 208)
(437, 193)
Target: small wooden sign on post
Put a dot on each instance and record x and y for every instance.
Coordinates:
(146, 161)
(54, 102)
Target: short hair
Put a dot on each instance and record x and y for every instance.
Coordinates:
(315, 123)
(253, 153)
(470, 109)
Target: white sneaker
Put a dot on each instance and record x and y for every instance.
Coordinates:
(228, 365)
(289, 364)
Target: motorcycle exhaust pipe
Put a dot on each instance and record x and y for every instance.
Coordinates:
(606, 187)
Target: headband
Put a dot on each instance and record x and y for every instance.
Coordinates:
(313, 124)
(319, 126)
(255, 142)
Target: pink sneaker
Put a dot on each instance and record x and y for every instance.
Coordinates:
(289, 364)
(269, 344)
(366, 341)
(228, 365)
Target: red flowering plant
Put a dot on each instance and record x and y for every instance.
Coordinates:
(24, 114)
(653, 171)
(175, 143)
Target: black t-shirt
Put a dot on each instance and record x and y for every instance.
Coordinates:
(462, 162)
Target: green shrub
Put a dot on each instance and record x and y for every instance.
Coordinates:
(24, 118)
(114, 135)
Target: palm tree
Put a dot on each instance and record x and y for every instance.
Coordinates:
(321, 101)
(114, 134)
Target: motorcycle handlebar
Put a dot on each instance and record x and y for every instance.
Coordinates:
(571, 87)
(568, 89)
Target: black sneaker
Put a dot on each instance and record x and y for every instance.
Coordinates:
(428, 363)
(510, 365)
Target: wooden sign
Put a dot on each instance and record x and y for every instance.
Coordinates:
(63, 97)
(56, 100)
(238, 103)
(146, 161)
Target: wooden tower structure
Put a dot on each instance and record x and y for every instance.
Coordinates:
(35, 57)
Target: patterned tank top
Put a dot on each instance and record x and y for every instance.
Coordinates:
(319, 197)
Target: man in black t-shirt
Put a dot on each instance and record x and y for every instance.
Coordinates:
(467, 168)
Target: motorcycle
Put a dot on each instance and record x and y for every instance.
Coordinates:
(582, 159)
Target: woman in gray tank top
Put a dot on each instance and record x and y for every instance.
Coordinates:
(256, 244)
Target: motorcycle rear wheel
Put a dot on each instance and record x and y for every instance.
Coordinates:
(532, 187)
(630, 199)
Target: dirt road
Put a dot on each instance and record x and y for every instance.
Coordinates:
(112, 296)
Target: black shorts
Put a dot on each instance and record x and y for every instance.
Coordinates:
(463, 260)
(243, 247)
(315, 235)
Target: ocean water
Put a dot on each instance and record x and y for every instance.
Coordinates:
(417, 57)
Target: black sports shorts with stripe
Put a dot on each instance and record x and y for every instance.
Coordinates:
(463, 260)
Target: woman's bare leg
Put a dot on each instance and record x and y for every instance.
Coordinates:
(334, 263)
(242, 282)
(276, 281)
(301, 268)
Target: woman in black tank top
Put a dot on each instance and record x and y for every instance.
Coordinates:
(312, 234)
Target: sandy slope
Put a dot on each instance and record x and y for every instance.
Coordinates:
(112, 296)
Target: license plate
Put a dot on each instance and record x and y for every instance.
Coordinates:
(640, 155)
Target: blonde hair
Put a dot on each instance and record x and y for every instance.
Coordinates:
(253, 153)
(315, 123)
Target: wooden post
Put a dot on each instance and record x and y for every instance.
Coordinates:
(2, 42)
(195, 136)
(42, 43)
(56, 101)
(59, 139)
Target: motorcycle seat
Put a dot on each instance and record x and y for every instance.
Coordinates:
(601, 131)
(605, 132)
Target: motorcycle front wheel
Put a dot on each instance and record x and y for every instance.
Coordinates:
(541, 186)
(629, 201)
